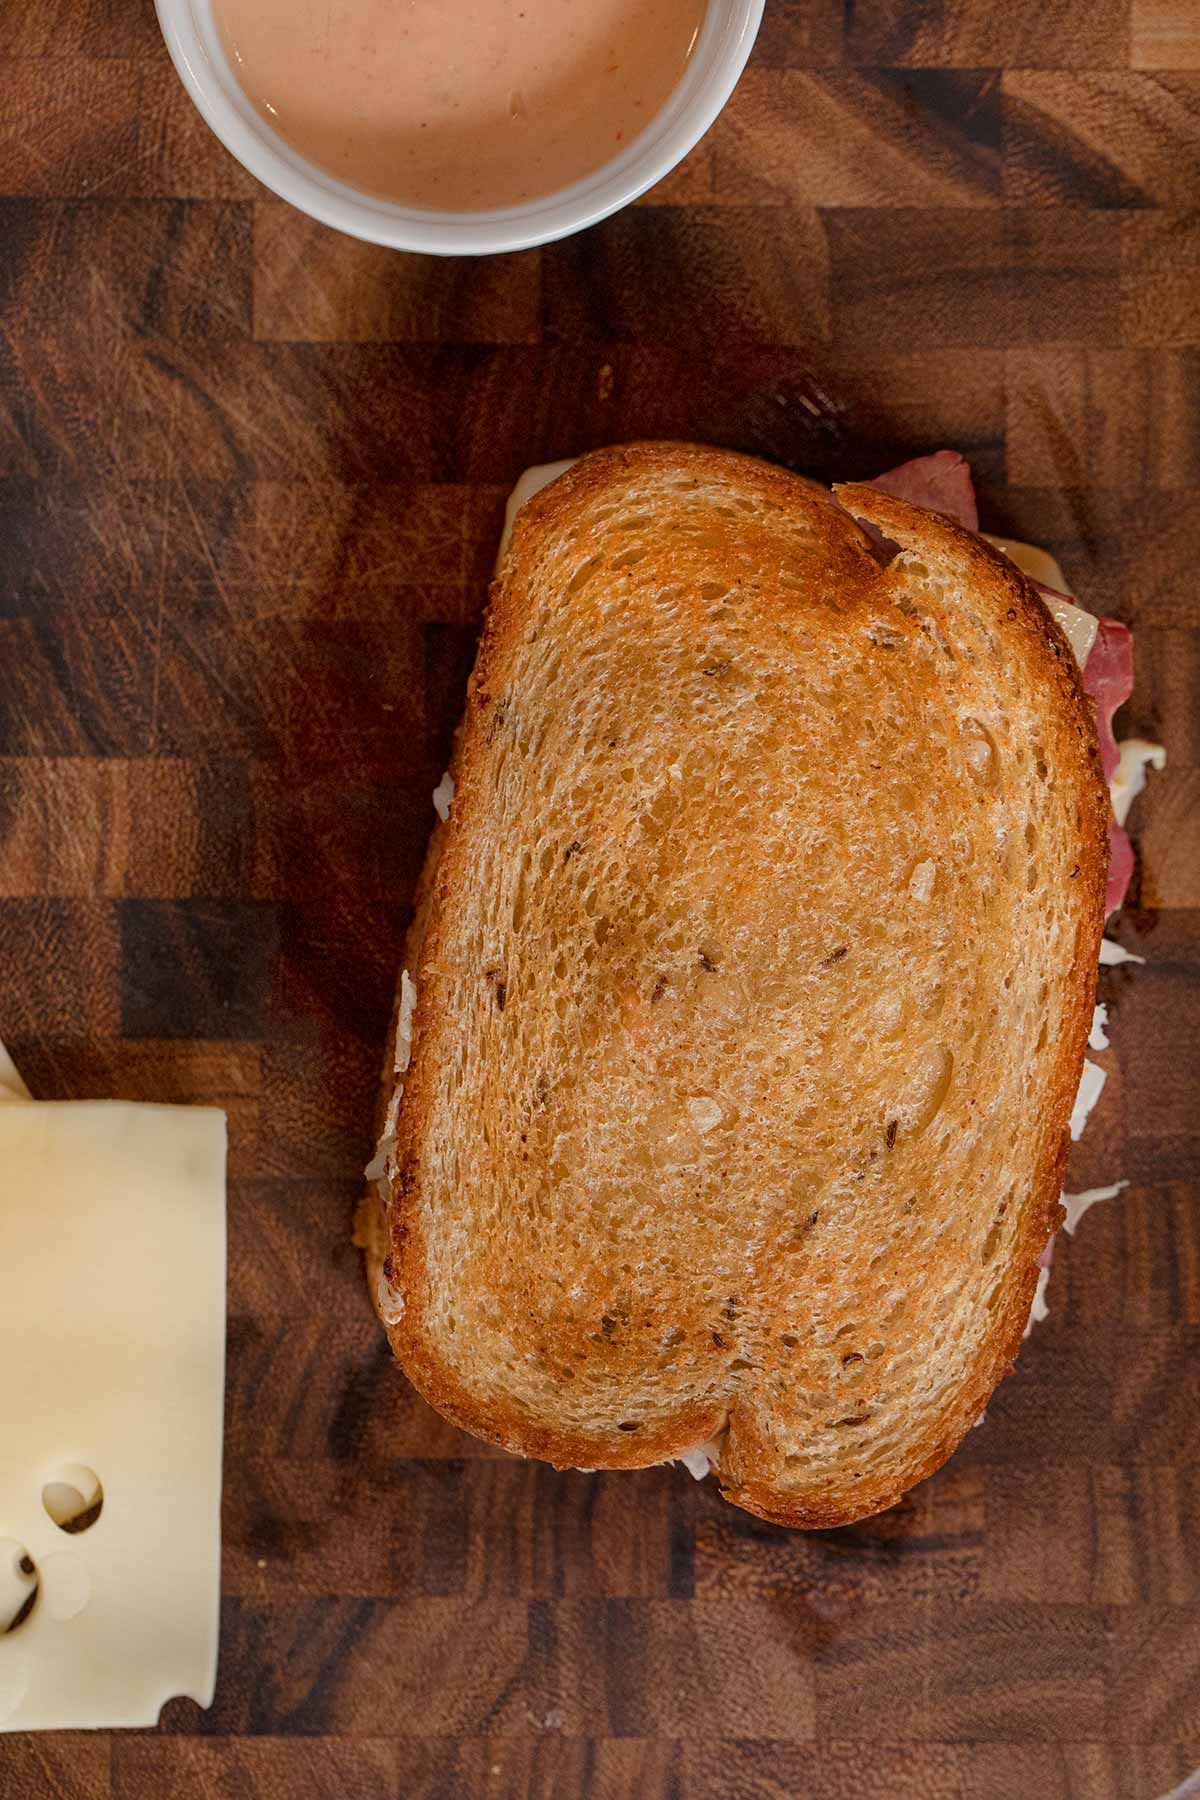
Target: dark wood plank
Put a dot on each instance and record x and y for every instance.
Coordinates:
(746, 272)
(975, 33)
(1160, 278)
(311, 286)
(1101, 139)
(71, 1765)
(1163, 36)
(928, 138)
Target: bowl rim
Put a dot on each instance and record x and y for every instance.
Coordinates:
(692, 109)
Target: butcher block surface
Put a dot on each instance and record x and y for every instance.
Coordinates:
(251, 480)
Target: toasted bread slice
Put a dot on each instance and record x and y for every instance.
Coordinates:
(753, 972)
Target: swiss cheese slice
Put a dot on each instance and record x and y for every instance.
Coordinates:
(530, 483)
(112, 1351)
(11, 1085)
(1078, 626)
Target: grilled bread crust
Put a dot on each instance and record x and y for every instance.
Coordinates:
(754, 971)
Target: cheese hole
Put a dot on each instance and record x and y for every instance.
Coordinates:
(20, 1585)
(66, 1586)
(74, 1499)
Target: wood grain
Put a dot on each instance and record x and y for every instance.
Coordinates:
(1164, 36)
(251, 480)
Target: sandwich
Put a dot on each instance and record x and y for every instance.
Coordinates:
(745, 1004)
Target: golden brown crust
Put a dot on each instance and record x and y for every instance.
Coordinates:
(1037, 649)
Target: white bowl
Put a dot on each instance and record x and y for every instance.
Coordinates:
(726, 38)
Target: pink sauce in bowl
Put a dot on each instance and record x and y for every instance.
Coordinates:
(459, 107)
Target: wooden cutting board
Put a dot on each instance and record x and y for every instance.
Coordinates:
(251, 476)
